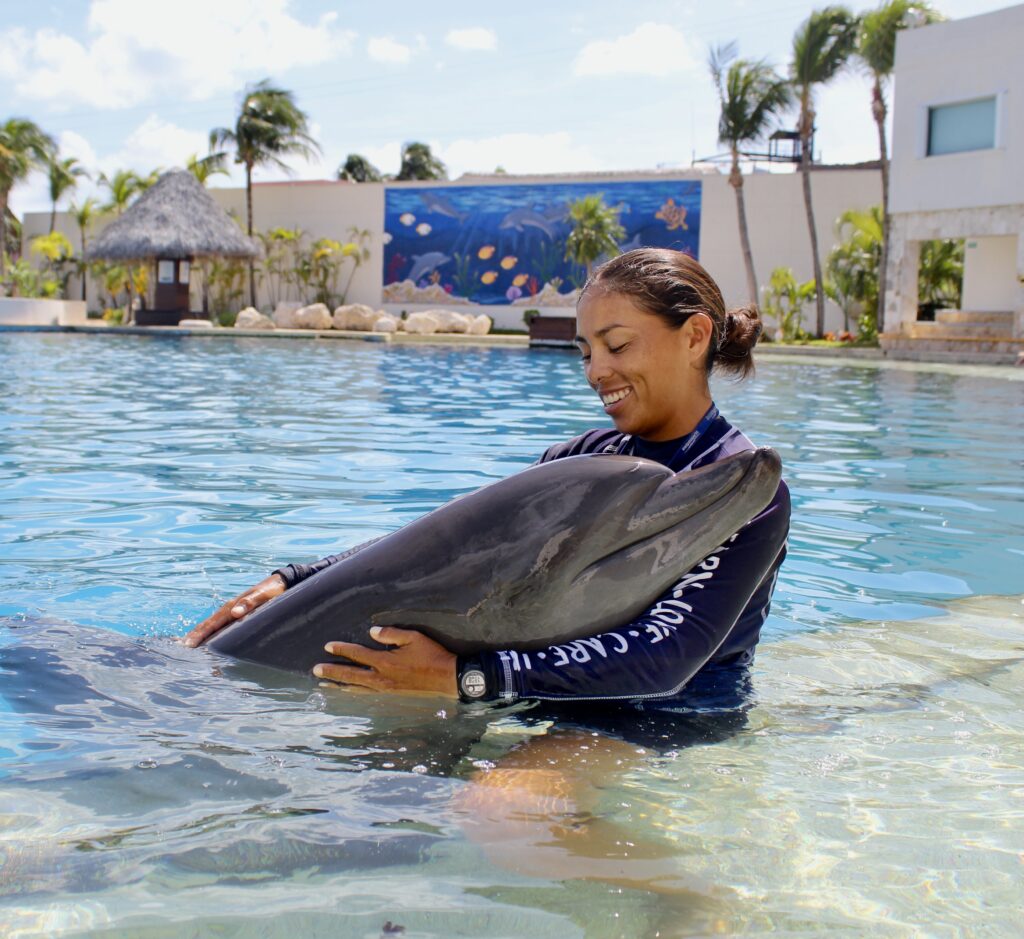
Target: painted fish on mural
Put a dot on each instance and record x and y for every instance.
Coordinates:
(441, 205)
(544, 221)
(486, 252)
(386, 238)
(520, 279)
(407, 218)
(423, 229)
(423, 264)
(489, 277)
(508, 262)
(674, 216)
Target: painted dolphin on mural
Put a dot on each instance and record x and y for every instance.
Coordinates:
(562, 549)
(423, 264)
(518, 218)
(440, 205)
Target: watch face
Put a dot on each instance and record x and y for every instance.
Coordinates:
(473, 683)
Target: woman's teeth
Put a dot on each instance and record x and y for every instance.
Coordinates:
(614, 396)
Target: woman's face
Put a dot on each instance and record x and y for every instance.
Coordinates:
(650, 377)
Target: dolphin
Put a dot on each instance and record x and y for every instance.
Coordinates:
(560, 550)
(423, 264)
(441, 205)
(517, 218)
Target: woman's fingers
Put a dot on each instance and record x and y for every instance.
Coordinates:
(233, 610)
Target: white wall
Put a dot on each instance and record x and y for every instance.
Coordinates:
(945, 63)
(990, 281)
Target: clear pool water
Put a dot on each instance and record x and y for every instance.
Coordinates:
(874, 788)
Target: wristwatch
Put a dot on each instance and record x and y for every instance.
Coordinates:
(472, 680)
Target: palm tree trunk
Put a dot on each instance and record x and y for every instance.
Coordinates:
(805, 174)
(248, 212)
(879, 111)
(3, 233)
(736, 181)
(84, 268)
(53, 218)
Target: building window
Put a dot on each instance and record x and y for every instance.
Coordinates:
(967, 125)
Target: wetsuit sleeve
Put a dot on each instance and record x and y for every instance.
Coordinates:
(657, 654)
(292, 574)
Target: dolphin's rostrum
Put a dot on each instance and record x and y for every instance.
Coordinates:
(561, 550)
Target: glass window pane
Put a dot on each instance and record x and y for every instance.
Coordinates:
(954, 128)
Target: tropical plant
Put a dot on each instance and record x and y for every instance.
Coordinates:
(876, 49)
(940, 275)
(358, 169)
(57, 261)
(595, 231)
(319, 267)
(853, 267)
(23, 147)
(269, 126)
(280, 258)
(213, 164)
(225, 284)
(821, 47)
(750, 94)
(84, 214)
(123, 187)
(418, 162)
(63, 177)
(784, 301)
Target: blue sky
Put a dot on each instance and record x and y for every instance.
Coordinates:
(533, 86)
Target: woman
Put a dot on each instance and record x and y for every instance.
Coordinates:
(652, 326)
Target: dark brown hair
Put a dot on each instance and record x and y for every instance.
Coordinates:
(674, 286)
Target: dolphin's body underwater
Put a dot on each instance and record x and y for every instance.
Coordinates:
(561, 550)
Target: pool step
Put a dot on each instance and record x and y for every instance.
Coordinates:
(940, 347)
(1002, 317)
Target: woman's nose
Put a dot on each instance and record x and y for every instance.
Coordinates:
(597, 368)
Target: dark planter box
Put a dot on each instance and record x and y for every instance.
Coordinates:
(164, 317)
(559, 331)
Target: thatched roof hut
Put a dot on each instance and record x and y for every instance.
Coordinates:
(175, 218)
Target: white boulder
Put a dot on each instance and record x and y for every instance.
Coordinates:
(451, 322)
(480, 326)
(386, 323)
(422, 324)
(251, 318)
(357, 316)
(314, 316)
(195, 324)
(284, 314)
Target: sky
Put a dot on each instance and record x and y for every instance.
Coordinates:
(532, 86)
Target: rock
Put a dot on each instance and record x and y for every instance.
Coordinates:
(284, 314)
(480, 326)
(450, 321)
(386, 323)
(314, 316)
(357, 316)
(195, 324)
(251, 318)
(422, 324)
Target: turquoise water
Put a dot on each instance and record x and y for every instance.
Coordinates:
(146, 791)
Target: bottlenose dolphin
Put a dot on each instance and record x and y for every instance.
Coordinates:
(423, 264)
(560, 550)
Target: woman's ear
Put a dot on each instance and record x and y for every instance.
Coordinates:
(699, 330)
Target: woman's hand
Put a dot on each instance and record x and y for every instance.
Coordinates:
(416, 664)
(235, 609)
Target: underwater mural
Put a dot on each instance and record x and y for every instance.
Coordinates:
(505, 244)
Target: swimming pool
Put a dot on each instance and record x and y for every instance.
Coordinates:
(146, 791)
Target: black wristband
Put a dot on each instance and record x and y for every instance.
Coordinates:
(471, 679)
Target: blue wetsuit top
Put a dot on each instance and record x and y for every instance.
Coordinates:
(709, 620)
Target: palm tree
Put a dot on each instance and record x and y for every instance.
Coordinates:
(821, 47)
(23, 146)
(595, 231)
(123, 186)
(84, 215)
(205, 167)
(419, 163)
(876, 48)
(751, 94)
(853, 267)
(269, 126)
(64, 175)
(358, 169)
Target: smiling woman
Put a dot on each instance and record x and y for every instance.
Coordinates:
(651, 327)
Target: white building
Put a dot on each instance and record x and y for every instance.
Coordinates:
(958, 172)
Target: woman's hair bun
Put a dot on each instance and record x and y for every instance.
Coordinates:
(741, 330)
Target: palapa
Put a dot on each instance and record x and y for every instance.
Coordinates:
(175, 218)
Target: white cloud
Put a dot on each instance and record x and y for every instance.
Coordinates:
(196, 49)
(476, 38)
(651, 49)
(387, 50)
